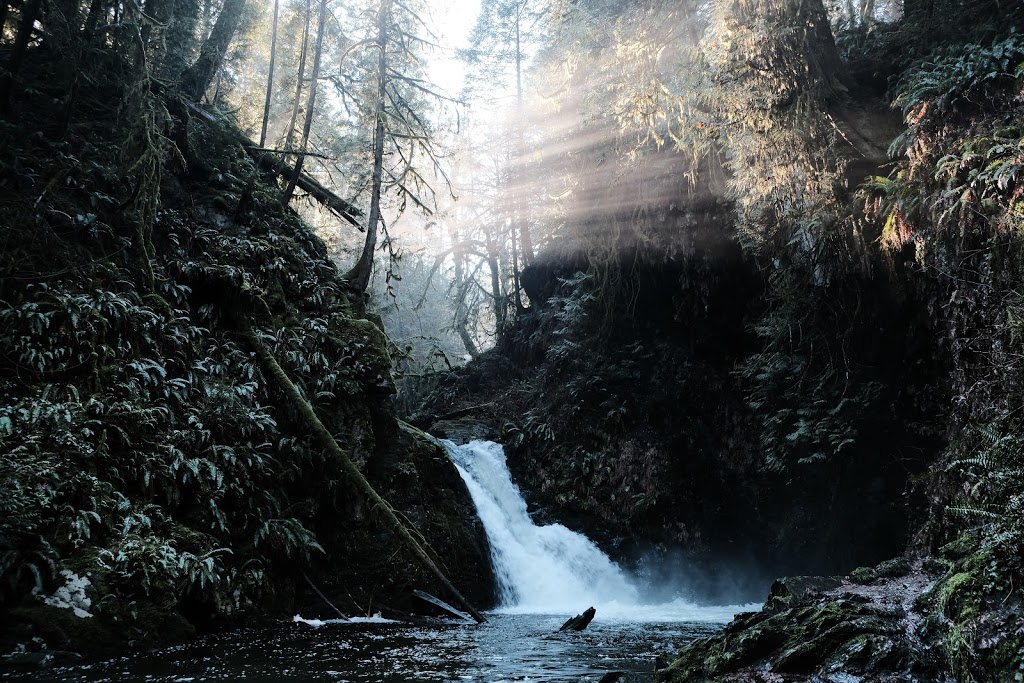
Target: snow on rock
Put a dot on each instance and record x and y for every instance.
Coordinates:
(71, 595)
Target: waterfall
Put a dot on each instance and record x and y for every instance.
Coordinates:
(544, 569)
(550, 569)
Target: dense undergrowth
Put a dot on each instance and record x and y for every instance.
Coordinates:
(141, 447)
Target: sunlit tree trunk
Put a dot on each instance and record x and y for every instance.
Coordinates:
(522, 221)
(270, 77)
(461, 322)
(197, 78)
(359, 276)
(311, 103)
(298, 84)
(867, 12)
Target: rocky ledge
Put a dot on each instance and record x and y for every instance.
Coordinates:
(870, 626)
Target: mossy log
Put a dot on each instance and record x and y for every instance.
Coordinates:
(276, 375)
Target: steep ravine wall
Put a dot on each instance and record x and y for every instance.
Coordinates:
(142, 450)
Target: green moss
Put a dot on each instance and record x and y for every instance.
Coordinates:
(959, 548)
(946, 598)
(894, 568)
(863, 575)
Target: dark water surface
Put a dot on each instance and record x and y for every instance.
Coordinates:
(506, 648)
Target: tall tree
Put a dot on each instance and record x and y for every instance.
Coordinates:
(270, 76)
(196, 80)
(404, 151)
(311, 102)
(300, 79)
(359, 275)
(497, 57)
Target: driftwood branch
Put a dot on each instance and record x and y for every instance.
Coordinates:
(580, 621)
(277, 377)
(270, 162)
(442, 604)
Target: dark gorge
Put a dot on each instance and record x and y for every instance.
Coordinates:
(735, 285)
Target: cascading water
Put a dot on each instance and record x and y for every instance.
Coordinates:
(538, 568)
(550, 569)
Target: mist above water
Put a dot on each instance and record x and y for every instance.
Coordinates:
(550, 569)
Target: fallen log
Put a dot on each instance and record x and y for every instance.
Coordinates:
(270, 162)
(580, 621)
(275, 375)
(422, 595)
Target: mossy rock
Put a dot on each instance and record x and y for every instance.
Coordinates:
(863, 575)
(827, 640)
(788, 591)
(894, 568)
(960, 548)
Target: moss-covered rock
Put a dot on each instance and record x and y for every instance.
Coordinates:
(820, 629)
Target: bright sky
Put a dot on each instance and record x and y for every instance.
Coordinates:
(455, 19)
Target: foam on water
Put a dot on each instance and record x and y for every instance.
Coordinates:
(550, 569)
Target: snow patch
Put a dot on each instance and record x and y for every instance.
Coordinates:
(71, 595)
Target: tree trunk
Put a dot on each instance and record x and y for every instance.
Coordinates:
(580, 621)
(276, 375)
(867, 16)
(461, 321)
(29, 13)
(311, 103)
(359, 277)
(526, 242)
(820, 49)
(197, 78)
(270, 78)
(91, 20)
(498, 300)
(180, 38)
(517, 295)
(298, 84)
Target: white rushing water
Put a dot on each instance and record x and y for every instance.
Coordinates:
(550, 569)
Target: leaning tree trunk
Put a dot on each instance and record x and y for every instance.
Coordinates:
(197, 78)
(311, 103)
(275, 374)
(359, 276)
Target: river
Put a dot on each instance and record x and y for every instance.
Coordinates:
(546, 574)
